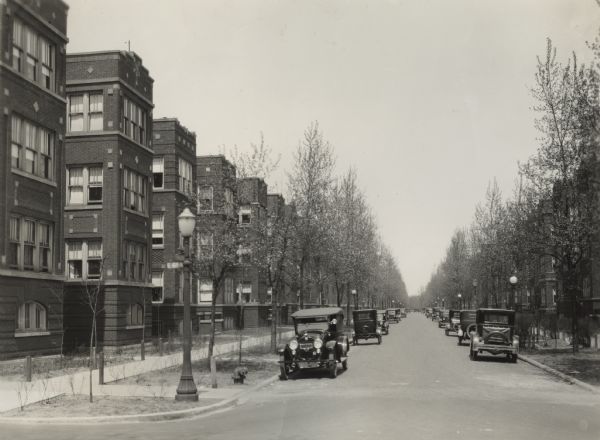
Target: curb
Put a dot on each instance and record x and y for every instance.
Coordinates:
(563, 376)
(133, 418)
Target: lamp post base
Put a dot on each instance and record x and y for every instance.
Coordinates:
(186, 390)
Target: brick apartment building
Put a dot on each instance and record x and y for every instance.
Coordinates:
(217, 206)
(108, 196)
(32, 83)
(173, 182)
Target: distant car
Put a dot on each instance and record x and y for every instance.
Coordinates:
(435, 313)
(467, 325)
(402, 312)
(428, 312)
(453, 323)
(319, 342)
(365, 326)
(444, 318)
(391, 315)
(382, 322)
(495, 334)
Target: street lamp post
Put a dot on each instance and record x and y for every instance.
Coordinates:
(474, 292)
(513, 280)
(460, 301)
(186, 390)
(355, 295)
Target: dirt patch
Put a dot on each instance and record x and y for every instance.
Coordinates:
(80, 406)
(584, 366)
(260, 367)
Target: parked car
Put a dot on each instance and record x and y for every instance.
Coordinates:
(467, 325)
(365, 326)
(495, 334)
(453, 323)
(402, 312)
(435, 313)
(391, 315)
(444, 318)
(382, 322)
(319, 342)
(428, 312)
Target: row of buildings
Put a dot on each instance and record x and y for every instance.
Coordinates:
(91, 187)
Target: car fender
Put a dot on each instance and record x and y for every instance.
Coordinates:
(330, 345)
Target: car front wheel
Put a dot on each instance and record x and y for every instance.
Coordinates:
(332, 369)
(283, 375)
(345, 364)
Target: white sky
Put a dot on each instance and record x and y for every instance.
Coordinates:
(428, 99)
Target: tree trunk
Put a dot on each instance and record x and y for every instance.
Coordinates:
(337, 293)
(213, 310)
(302, 284)
(92, 336)
(274, 317)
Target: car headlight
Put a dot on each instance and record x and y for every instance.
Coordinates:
(476, 340)
(378, 331)
(318, 343)
(293, 344)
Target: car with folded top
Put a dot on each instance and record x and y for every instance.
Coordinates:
(495, 334)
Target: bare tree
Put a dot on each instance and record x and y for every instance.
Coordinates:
(309, 184)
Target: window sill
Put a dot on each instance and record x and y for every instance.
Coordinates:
(134, 327)
(28, 334)
(131, 211)
(158, 246)
(158, 303)
(83, 207)
(33, 177)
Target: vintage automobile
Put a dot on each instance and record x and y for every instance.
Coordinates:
(467, 325)
(453, 323)
(320, 342)
(444, 318)
(365, 325)
(391, 315)
(402, 313)
(495, 334)
(435, 313)
(382, 322)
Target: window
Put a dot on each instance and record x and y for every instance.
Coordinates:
(158, 229)
(134, 261)
(244, 255)
(134, 121)
(30, 244)
(246, 290)
(229, 291)
(205, 198)
(85, 185)
(84, 260)
(86, 112)
(28, 229)
(14, 250)
(136, 314)
(31, 316)
(158, 172)
(28, 49)
(205, 245)
(158, 284)
(228, 195)
(32, 148)
(205, 288)
(185, 176)
(47, 56)
(134, 190)
(44, 247)
(245, 215)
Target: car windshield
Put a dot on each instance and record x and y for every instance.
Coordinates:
(318, 323)
(495, 318)
(362, 316)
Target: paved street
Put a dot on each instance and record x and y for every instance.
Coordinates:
(418, 384)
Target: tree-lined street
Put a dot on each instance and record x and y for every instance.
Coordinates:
(418, 384)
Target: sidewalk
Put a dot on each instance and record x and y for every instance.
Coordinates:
(14, 394)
